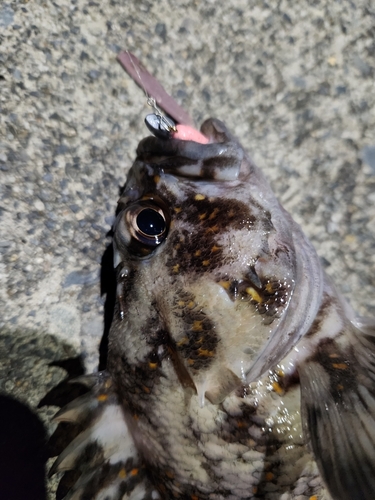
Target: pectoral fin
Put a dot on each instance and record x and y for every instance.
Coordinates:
(338, 411)
(104, 452)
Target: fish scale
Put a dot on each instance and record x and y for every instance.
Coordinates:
(235, 369)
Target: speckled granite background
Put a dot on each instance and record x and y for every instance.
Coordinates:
(295, 82)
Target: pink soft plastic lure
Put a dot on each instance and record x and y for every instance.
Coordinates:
(187, 133)
(156, 93)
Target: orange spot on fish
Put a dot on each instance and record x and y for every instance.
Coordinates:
(212, 229)
(134, 472)
(205, 353)
(340, 366)
(177, 209)
(254, 294)
(214, 213)
(199, 197)
(197, 326)
(102, 397)
(277, 388)
(197, 253)
(152, 366)
(241, 424)
(215, 248)
(183, 341)
(269, 476)
(205, 263)
(225, 284)
(122, 473)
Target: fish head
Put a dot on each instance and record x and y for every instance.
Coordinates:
(207, 264)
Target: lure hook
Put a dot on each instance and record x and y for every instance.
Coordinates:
(160, 124)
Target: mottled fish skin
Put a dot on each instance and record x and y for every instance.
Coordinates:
(239, 370)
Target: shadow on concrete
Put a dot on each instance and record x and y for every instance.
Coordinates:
(23, 452)
(108, 288)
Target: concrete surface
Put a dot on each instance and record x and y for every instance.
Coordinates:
(294, 81)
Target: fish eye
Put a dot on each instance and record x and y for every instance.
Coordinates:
(150, 223)
(144, 226)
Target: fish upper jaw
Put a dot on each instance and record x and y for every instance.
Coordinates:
(219, 158)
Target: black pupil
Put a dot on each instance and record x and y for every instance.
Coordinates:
(150, 222)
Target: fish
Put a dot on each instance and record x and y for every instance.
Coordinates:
(235, 370)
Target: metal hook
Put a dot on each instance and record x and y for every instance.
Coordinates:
(158, 123)
(165, 122)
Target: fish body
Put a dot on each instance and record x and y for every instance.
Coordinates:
(235, 369)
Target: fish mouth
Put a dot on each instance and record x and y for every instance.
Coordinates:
(220, 158)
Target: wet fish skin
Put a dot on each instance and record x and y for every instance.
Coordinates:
(239, 370)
